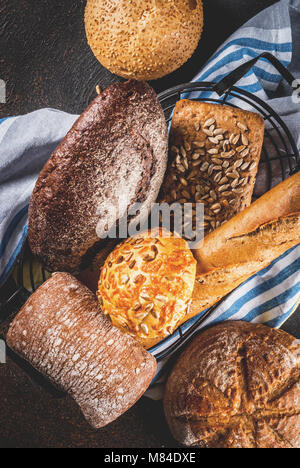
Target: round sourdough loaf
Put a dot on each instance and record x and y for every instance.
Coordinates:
(143, 39)
(237, 385)
(114, 157)
(146, 285)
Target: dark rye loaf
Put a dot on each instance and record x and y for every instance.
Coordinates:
(237, 385)
(116, 149)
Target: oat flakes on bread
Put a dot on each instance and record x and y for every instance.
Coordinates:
(146, 285)
(214, 156)
(115, 152)
(62, 333)
(237, 385)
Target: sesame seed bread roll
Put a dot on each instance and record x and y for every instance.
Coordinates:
(236, 385)
(247, 243)
(146, 285)
(62, 333)
(143, 39)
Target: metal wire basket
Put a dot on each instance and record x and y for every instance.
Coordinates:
(279, 150)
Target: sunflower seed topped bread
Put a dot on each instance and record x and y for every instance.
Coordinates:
(114, 156)
(160, 36)
(146, 285)
(237, 385)
(214, 156)
(62, 332)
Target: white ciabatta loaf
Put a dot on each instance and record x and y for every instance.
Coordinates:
(62, 333)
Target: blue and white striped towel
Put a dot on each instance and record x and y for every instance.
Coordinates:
(26, 142)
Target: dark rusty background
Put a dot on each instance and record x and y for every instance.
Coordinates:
(46, 62)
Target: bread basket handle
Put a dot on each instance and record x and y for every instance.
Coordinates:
(230, 80)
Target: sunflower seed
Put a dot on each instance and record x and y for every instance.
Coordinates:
(236, 139)
(174, 194)
(210, 169)
(145, 297)
(226, 164)
(183, 181)
(240, 148)
(253, 166)
(227, 194)
(212, 151)
(238, 163)
(245, 166)
(245, 140)
(223, 181)
(217, 177)
(183, 152)
(245, 153)
(219, 131)
(180, 168)
(223, 188)
(196, 156)
(199, 144)
(132, 265)
(213, 140)
(185, 164)
(238, 190)
(155, 313)
(228, 154)
(208, 132)
(217, 161)
(235, 183)
(216, 206)
(137, 307)
(187, 146)
(162, 299)
(175, 149)
(213, 195)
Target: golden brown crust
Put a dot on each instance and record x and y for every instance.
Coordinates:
(214, 156)
(63, 334)
(159, 37)
(236, 385)
(246, 244)
(114, 156)
(146, 285)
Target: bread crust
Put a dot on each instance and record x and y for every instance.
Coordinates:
(62, 332)
(214, 156)
(115, 155)
(246, 244)
(237, 385)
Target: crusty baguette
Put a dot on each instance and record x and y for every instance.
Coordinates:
(114, 156)
(63, 334)
(246, 244)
